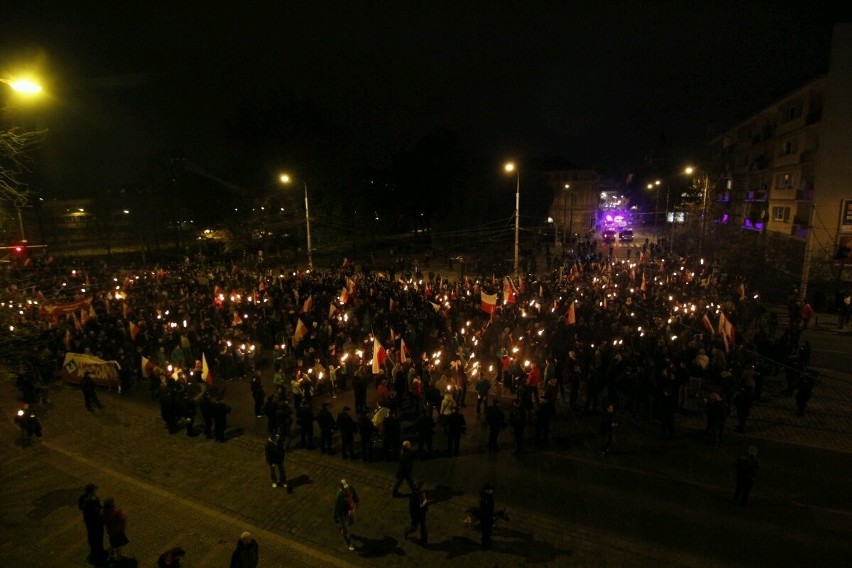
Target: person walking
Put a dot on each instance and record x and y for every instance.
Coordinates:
(247, 552)
(496, 421)
(90, 395)
(347, 427)
(425, 428)
(746, 468)
(115, 523)
(206, 408)
(305, 418)
(486, 515)
(274, 452)
(456, 426)
(257, 394)
(345, 506)
(366, 431)
(483, 387)
(326, 424)
(518, 420)
(220, 419)
(404, 469)
(607, 427)
(418, 506)
(90, 504)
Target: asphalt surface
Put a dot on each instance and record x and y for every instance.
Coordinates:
(648, 503)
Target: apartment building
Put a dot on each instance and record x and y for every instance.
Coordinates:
(785, 172)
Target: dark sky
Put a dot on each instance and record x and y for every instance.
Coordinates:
(596, 83)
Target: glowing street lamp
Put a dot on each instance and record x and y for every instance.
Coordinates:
(285, 178)
(510, 167)
(24, 86)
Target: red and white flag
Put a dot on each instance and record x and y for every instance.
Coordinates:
(726, 328)
(237, 320)
(147, 368)
(344, 296)
(741, 290)
(125, 310)
(708, 325)
(510, 293)
(134, 330)
(379, 356)
(570, 315)
(403, 351)
(308, 305)
(205, 371)
(488, 302)
(332, 309)
(643, 286)
(301, 331)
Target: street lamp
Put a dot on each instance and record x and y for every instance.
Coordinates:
(287, 179)
(510, 167)
(24, 86)
(704, 182)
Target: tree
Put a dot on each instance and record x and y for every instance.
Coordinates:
(16, 145)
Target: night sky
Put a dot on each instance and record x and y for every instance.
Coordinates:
(595, 83)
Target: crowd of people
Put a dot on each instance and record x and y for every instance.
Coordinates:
(635, 337)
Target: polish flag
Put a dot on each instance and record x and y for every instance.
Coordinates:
(379, 356)
(301, 331)
(708, 325)
(125, 310)
(742, 290)
(644, 285)
(510, 293)
(308, 305)
(205, 370)
(237, 320)
(147, 368)
(134, 330)
(488, 302)
(570, 315)
(403, 351)
(344, 295)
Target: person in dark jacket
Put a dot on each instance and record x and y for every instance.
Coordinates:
(270, 410)
(746, 468)
(391, 436)
(425, 427)
(220, 419)
(418, 506)
(806, 389)
(90, 395)
(90, 505)
(347, 427)
(404, 469)
(247, 553)
(206, 408)
(456, 426)
(326, 424)
(607, 428)
(188, 410)
(366, 431)
(257, 394)
(274, 452)
(518, 421)
(305, 418)
(495, 418)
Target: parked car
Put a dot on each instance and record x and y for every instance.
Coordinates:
(608, 236)
(626, 236)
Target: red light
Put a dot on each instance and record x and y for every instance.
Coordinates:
(19, 249)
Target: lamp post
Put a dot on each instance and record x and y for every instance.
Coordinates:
(510, 167)
(287, 179)
(705, 189)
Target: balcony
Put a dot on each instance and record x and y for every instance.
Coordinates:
(755, 196)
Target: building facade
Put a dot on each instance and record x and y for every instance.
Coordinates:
(785, 172)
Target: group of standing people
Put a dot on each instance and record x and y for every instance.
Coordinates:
(103, 518)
